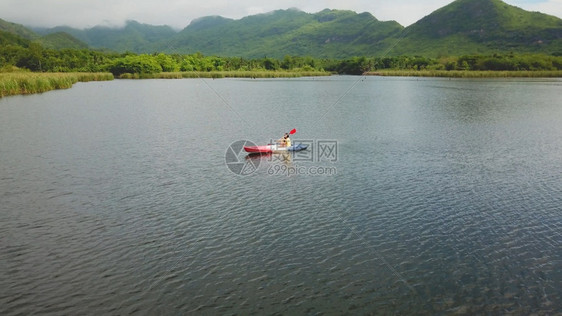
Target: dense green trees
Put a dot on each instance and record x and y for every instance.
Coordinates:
(34, 57)
(137, 64)
(495, 62)
(509, 62)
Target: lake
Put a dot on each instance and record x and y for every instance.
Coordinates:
(415, 196)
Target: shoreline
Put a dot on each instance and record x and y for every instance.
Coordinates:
(22, 83)
(467, 73)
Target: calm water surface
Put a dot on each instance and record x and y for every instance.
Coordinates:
(443, 197)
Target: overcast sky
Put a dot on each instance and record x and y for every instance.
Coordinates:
(179, 13)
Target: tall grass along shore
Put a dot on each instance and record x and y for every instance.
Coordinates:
(226, 74)
(468, 73)
(13, 83)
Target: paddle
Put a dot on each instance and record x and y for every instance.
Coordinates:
(294, 130)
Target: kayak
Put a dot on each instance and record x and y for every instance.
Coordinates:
(273, 148)
(259, 149)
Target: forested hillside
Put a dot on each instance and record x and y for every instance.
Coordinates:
(460, 28)
(481, 27)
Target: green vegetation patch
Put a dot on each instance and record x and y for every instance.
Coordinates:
(13, 83)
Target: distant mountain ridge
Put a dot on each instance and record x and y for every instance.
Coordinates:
(133, 37)
(17, 29)
(329, 33)
(17, 34)
(460, 28)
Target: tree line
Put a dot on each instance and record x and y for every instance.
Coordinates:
(36, 58)
(495, 62)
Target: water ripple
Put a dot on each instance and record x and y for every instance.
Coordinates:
(450, 206)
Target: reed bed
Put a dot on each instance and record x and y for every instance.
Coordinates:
(226, 74)
(14, 83)
(468, 74)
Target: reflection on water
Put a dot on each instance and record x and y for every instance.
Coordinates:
(443, 197)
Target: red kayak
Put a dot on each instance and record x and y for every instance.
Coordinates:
(259, 149)
(273, 148)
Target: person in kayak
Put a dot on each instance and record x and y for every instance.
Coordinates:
(285, 141)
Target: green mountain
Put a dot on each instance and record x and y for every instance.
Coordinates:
(62, 40)
(330, 33)
(18, 29)
(460, 28)
(7, 39)
(16, 34)
(479, 27)
(135, 37)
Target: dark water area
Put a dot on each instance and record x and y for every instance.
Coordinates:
(416, 196)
